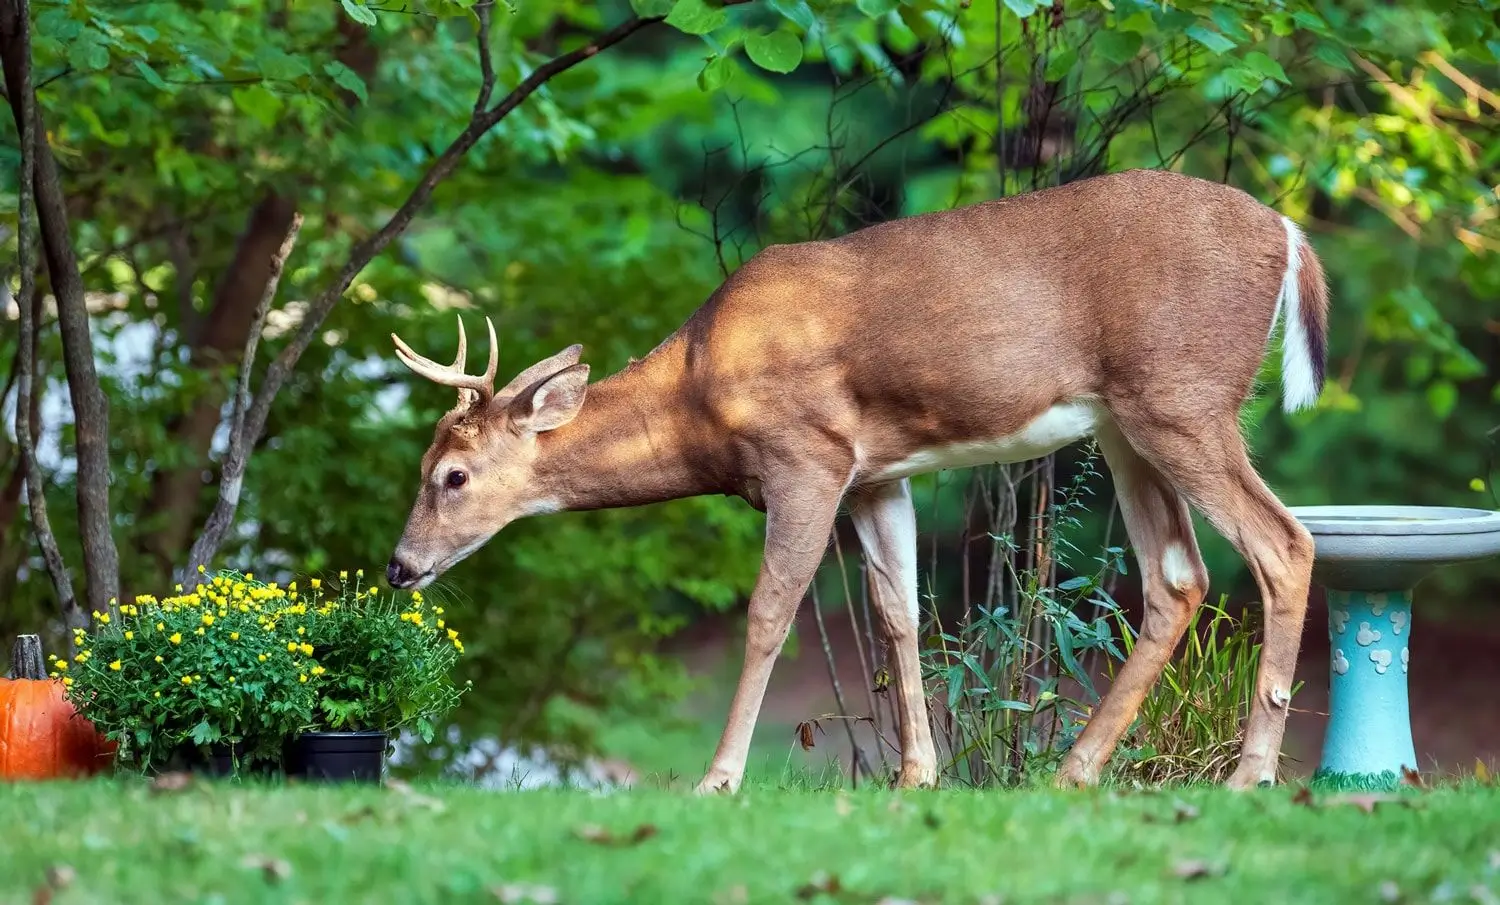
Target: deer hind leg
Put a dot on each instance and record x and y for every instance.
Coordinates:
(1212, 469)
(887, 526)
(1174, 583)
(799, 516)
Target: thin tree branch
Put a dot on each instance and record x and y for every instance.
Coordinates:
(486, 59)
(232, 476)
(36, 497)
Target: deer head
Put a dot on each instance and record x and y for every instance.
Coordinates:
(477, 476)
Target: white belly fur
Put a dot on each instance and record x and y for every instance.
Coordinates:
(1050, 431)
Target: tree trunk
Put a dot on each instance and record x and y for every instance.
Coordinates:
(90, 407)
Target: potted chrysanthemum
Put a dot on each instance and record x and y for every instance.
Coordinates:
(385, 663)
(199, 679)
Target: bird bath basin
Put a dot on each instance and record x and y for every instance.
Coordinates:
(1369, 559)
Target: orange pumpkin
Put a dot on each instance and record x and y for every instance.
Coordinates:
(41, 734)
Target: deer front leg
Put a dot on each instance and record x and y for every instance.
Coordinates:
(886, 523)
(799, 517)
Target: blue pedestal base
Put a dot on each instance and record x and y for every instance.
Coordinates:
(1368, 740)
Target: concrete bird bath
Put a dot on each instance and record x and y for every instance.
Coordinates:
(1369, 559)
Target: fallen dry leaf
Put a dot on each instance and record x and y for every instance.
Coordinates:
(734, 895)
(412, 795)
(821, 882)
(1365, 801)
(1482, 773)
(275, 869)
(1412, 779)
(518, 893)
(171, 782)
(1196, 870)
(598, 835)
(58, 876)
(1303, 796)
(842, 805)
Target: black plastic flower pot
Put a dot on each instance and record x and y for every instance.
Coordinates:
(339, 756)
(219, 762)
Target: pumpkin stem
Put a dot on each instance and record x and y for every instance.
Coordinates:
(26, 661)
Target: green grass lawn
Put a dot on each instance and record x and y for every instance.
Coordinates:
(221, 842)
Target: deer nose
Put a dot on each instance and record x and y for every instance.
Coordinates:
(396, 573)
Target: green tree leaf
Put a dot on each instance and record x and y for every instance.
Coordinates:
(150, 75)
(88, 54)
(1442, 397)
(1060, 63)
(716, 73)
(347, 79)
(651, 9)
(1266, 67)
(696, 17)
(259, 103)
(1209, 38)
(1117, 46)
(797, 11)
(779, 51)
(358, 11)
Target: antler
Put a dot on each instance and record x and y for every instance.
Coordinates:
(453, 375)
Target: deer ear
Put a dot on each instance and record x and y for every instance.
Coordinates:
(564, 359)
(551, 402)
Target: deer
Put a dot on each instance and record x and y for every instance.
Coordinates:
(1134, 308)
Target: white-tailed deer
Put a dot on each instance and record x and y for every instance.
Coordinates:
(1135, 307)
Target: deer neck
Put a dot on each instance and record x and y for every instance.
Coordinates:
(632, 443)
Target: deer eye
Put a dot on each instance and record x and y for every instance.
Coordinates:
(457, 478)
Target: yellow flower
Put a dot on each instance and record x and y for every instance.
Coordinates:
(416, 598)
(249, 576)
(261, 658)
(359, 573)
(302, 678)
(177, 588)
(187, 680)
(67, 680)
(318, 670)
(104, 618)
(306, 649)
(301, 630)
(343, 575)
(231, 680)
(160, 627)
(62, 665)
(208, 618)
(316, 583)
(201, 570)
(291, 646)
(158, 694)
(158, 658)
(199, 631)
(234, 636)
(292, 587)
(176, 638)
(129, 636)
(438, 610)
(452, 634)
(458, 645)
(114, 665)
(82, 657)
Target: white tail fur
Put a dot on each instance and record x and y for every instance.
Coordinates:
(1299, 384)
